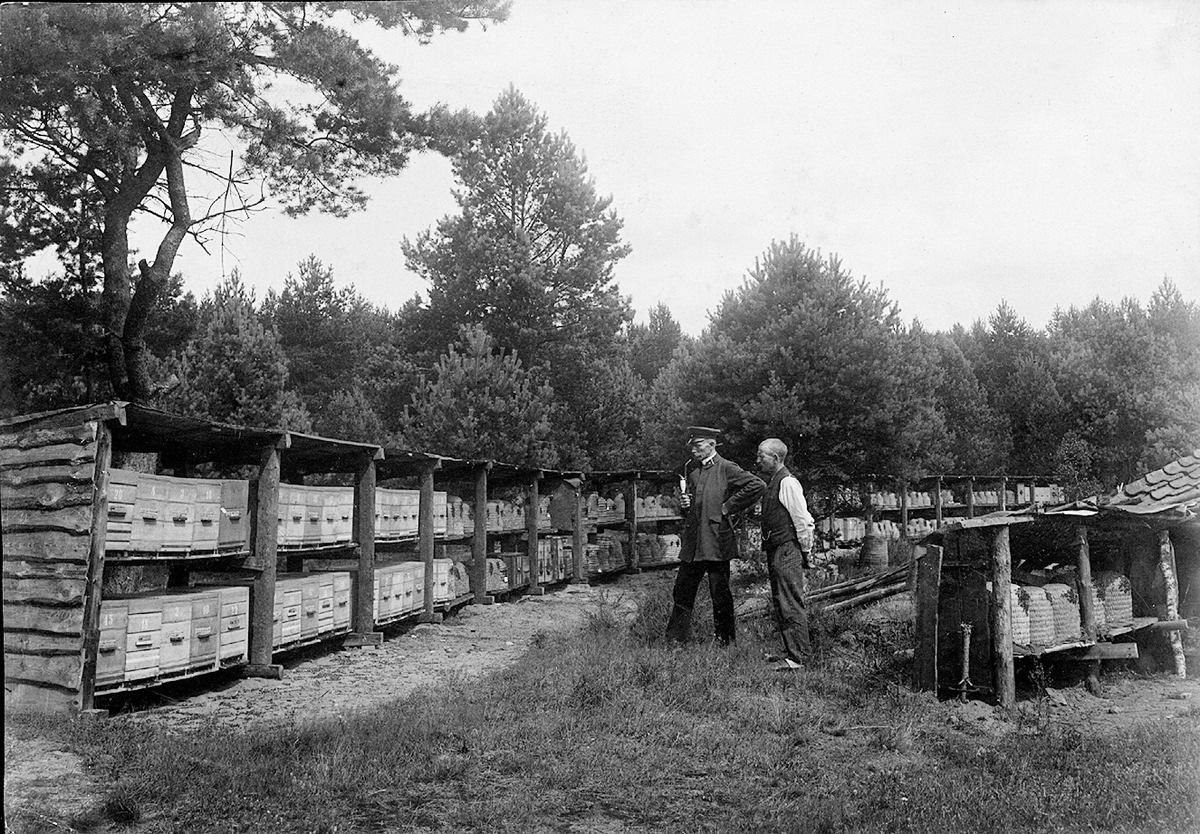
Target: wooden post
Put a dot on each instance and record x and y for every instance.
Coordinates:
(1003, 496)
(937, 503)
(1000, 612)
(929, 578)
(970, 497)
(1166, 562)
(264, 525)
(364, 535)
(531, 534)
(93, 589)
(425, 542)
(1087, 605)
(578, 540)
(479, 542)
(903, 508)
(633, 565)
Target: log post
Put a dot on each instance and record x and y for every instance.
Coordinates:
(970, 497)
(1002, 498)
(531, 534)
(364, 535)
(631, 525)
(1166, 563)
(937, 503)
(93, 589)
(1000, 613)
(264, 528)
(479, 542)
(903, 508)
(578, 540)
(425, 542)
(1087, 605)
(929, 578)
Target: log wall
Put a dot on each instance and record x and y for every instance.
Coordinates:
(47, 493)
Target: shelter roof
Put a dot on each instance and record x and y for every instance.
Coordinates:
(1171, 493)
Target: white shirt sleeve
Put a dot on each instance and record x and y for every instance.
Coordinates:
(791, 495)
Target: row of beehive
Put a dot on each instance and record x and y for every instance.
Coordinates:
(173, 634)
(159, 513)
(1049, 615)
(598, 509)
(1019, 495)
(607, 554)
(165, 514)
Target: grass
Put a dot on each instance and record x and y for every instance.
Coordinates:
(613, 729)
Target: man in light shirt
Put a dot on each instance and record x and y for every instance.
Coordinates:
(787, 530)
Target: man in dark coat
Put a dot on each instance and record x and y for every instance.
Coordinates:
(712, 490)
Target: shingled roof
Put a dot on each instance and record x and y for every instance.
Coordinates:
(1174, 488)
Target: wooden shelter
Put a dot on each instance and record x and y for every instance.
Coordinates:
(1146, 536)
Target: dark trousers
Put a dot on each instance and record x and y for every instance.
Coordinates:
(687, 583)
(785, 566)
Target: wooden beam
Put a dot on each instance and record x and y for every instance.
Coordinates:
(578, 539)
(425, 538)
(479, 544)
(1087, 604)
(363, 519)
(929, 579)
(937, 505)
(264, 530)
(95, 573)
(970, 497)
(1000, 613)
(1166, 563)
(531, 533)
(633, 561)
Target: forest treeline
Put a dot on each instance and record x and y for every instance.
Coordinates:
(523, 348)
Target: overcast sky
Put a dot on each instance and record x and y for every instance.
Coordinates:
(961, 153)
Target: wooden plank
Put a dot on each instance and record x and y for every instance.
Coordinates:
(94, 589)
(47, 496)
(79, 474)
(68, 519)
(49, 545)
(66, 621)
(42, 643)
(44, 591)
(79, 434)
(1166, 563)
(264, 523)
(43, 569)
(929, 578)
(65, 453)
(69, 417)
(364, 533)
(44, 700)
(57, 671)
(1107, 651)
(1000, 613)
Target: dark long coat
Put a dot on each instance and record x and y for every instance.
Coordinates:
(718, 491)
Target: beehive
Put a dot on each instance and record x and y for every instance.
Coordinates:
(1041, 615)
(1116, 594)
(1020, 616)
(1065, 603)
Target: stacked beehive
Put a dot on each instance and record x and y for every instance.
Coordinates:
(170, 634)
(161, 514)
